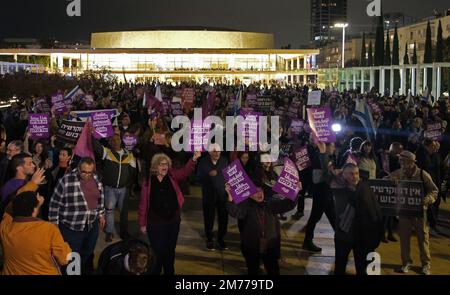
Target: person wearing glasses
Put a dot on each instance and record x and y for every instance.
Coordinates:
(160, 209)
(77, 208)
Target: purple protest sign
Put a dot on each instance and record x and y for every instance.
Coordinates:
(320, 122)
(58, 103)
(302, 159)
(101, 121)
(250, 131)
(39, 126)
(434, 131)
(129, 141)
(198, 136)
(287, 183)
(241, 187)
(296, 126)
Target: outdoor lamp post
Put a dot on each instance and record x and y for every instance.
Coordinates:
(343, 26)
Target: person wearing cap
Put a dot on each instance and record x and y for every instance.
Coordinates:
(409, 171)
(31, 246)
(214, 197)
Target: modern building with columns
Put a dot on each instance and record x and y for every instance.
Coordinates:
(183, 54)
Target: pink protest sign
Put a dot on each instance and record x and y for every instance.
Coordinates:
(287, 183)
(39, 126)
(320, 122)
(241, 187)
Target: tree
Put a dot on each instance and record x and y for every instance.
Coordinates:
(428, 56)
(379, 42)
(414, 58)
(396, 59)
(406, 56)
(363, 51)
(370, 59)
(439, 57)
(387, 51)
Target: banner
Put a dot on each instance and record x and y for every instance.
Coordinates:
(434, 131)
(287, 183)
(101, 121)
(59, 104)
(404, 199)
(39, 125)
(320, 122)
(264, 104)
(69, 131)
(241, 185)
(129, 141)
(302, 159)
(84, 115)
(314, 98)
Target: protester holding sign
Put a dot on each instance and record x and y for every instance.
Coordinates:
(260, 233)
(358, 216)
(410, 171)
(210, 176)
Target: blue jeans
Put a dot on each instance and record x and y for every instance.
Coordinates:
(113, 197)
(82, 242)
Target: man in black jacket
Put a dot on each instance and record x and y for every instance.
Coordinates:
(209, 174)
(358, 224)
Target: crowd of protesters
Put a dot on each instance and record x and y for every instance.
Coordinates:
(78, 195)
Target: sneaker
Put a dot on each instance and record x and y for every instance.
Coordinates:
(210, 245)
(109, 237)
(309, 246)
(221, 245)
(426, 270)
(405, 268)
(298, 215)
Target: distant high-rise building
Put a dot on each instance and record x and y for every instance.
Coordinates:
(324, 14)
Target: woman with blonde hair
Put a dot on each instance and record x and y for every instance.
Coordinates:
(159, 209)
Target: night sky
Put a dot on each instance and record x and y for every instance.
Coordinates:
(288, 20)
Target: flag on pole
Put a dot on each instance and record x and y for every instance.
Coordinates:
(84, 146)
(363, 114)
(158, 93)
(74, 93)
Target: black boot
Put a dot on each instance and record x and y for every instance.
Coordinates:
(309, 246)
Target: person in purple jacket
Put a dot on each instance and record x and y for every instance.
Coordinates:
(160, 207)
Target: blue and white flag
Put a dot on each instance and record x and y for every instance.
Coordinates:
(364, 115)
(74, 94)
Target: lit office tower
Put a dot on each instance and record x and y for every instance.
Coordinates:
(324, 14)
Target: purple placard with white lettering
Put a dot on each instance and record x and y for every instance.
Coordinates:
(287, 183)
(241, 187)
(250, 132)
(297, 126)
(302, 159)
(39, 126)
(129, 141)
(58, 103)
(434, 131)
(320, 122)
(101, 121)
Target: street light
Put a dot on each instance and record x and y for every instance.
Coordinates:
(343, 26)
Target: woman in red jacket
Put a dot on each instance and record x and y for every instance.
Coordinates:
(160, 207)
